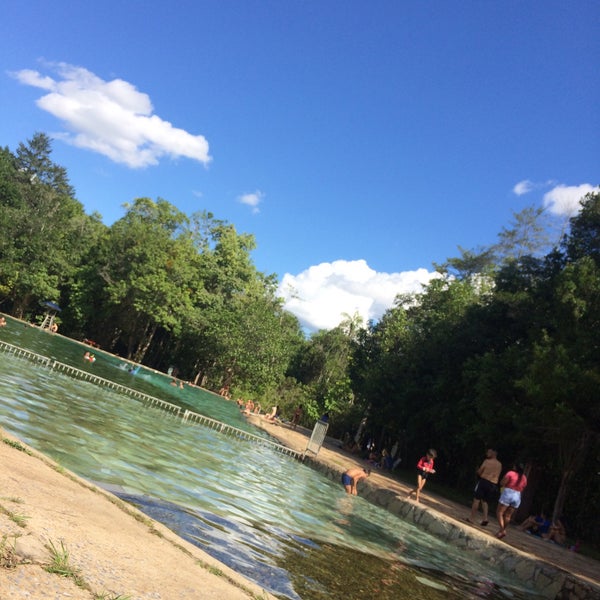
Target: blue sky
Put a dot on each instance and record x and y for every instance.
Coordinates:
(359, 142)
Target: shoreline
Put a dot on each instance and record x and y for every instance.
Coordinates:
(550, 570)
(109, 549)
(117, 551)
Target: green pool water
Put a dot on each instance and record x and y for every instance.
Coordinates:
(269, 517)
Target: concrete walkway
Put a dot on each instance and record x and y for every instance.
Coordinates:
(554, 571)
(107, 549)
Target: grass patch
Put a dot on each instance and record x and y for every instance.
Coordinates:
(20, 520)
(17, 446)
(13, 499)
(8, 556)
(60, 564)
(111, 597)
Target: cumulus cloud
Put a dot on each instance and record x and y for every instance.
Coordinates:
(563, 200)
(111, 117)
(252, 200)
(320, 295)
(523, 187)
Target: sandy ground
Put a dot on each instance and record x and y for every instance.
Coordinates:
(117, 553)
(112, 549)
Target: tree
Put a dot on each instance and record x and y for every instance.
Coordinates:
(148, 272)
(35, 166)
(584, 237)
(528, 236)
(43, 229)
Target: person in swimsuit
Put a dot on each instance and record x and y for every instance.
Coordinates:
(351, 477)
(487, 486)
(424, 469)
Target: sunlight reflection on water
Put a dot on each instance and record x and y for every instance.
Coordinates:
(255, 510)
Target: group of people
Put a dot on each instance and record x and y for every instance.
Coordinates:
(249, 407)
(543, 527)
(490, 481)
(53, 327)
(511, 486)
(424, 468)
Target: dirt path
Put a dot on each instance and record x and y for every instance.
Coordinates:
(334, 457)
(113, 551)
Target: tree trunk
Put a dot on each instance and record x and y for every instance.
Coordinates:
(576, 458)
(20, 305)
(145, 343)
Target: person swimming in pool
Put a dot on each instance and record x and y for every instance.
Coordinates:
(351, 477)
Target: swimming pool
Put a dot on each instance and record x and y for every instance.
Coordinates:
(271, 518)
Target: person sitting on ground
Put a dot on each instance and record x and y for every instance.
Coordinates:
(249, 407)
(351, 477)
(273, 414)
(536, 525)
(557, 533)
(387, 462)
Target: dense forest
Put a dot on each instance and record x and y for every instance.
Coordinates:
(502, 349)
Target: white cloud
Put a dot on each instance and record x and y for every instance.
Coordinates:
(252, 200)
(111, 117)
(563, 200)
(523, 187)
(320, 295)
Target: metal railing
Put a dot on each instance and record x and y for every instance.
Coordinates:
(187, 416)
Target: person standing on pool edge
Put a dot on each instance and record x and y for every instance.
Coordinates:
(424, 469)
(487, 486)
(513, 483)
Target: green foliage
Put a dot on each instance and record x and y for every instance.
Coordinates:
(502, 349)
(504, 357)
(60, 564)
(42, 227)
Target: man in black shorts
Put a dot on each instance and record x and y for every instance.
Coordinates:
(487, 485)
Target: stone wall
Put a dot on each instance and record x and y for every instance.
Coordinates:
(546, 579)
